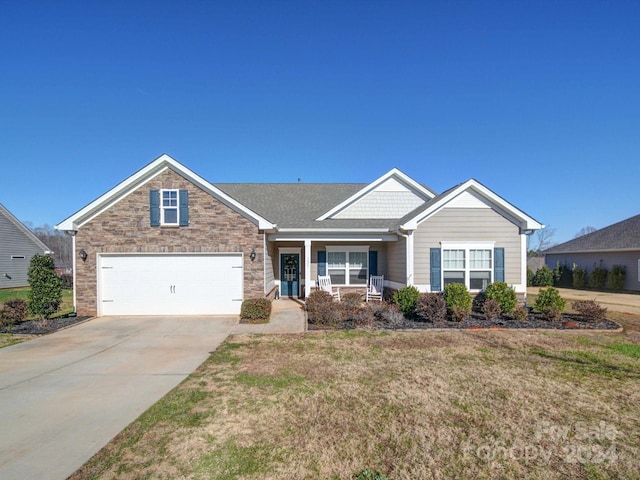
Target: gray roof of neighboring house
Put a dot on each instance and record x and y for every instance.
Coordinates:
(624, 235)
(298, 205)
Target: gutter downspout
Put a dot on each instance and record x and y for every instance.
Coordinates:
(409, 254)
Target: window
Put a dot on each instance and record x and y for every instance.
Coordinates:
(169, 207)
(348, 265)
(470, 264)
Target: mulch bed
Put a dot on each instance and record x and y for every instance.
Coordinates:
(33, 327)
(478, 322)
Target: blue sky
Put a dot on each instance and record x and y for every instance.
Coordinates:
(540, 101)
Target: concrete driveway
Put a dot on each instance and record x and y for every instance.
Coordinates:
(65, 395)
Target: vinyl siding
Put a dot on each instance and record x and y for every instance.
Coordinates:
(14, 242)
(397, 261)
(467, 225)
(608, 259)
(270, 253)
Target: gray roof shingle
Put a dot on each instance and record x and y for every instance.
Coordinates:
(297, 205)
(624, 235)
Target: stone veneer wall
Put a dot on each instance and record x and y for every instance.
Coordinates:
(125, 228)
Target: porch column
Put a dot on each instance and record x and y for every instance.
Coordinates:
(307, 268)
(410, 279)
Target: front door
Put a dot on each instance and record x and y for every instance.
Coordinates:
(289, 274)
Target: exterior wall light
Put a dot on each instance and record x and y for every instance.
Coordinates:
(252, 255)
(83, 254)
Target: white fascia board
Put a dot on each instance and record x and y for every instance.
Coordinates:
(526, 222)
(393, 172)
(333, 237)
(124, 188)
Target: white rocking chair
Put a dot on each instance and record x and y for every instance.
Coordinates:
(375, 289)
(324, 282)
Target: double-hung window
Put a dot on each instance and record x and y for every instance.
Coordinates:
(468, 263)
(348, 265)
(169, 210)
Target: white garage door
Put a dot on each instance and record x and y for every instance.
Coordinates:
(170, 284)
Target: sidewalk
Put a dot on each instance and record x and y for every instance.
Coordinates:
(287, 316)
(617, 302)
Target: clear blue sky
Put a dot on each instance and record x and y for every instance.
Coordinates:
(540, 101)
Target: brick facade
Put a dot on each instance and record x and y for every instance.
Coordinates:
(125, 228)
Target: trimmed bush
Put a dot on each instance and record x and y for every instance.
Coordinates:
(406, 299)
(543, 277)
(579, 277)
(13, 311)
(589, 309)
(431, 307)
(520, 313)
(491, 309)
(598, 277)
(617, 276)
(351, 300)
(549, 303)
(458, 300)
(255, 309)
(392, 315)
(503, 294)
(45, 296)
(323, 310)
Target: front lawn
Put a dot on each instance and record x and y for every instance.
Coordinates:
(65, 308)
(419, 404)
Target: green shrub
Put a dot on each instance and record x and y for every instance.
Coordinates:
(255, 309)
(589, 309)
(431, 307)
(45, 296)
(503, 294)
(579, 277)
(520, 313)
(530, 276)
(543, 277)
(322, 309)
(491, 309)
(598, 277)
(458, 300)
(562, 276)
(549, 303)
(406, 299)
(617, 276)
(369, 474)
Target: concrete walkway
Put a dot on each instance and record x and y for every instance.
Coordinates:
(287, 316)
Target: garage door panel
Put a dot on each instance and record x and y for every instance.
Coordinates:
(166, 284)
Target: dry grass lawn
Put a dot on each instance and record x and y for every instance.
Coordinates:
(411, 405)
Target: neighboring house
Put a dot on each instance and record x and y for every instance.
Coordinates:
(166, 241)
(17, 245)
(617, 244)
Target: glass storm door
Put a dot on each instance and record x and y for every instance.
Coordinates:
(289, 274)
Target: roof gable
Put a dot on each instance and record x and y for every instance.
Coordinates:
(471, 194)
(391, 196)
(21, 228)
(624, 235)
(124, 188)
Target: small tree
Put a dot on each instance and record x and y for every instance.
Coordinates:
(46, 290)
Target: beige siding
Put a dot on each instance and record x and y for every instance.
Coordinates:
(467, 225)
(269, 266)
(397, 261)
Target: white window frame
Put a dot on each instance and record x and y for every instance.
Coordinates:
(467, 247)
(348, 250)
(167, 207)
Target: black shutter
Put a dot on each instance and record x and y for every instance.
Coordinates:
(436, 270)
(184, 207)
(154, 207)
